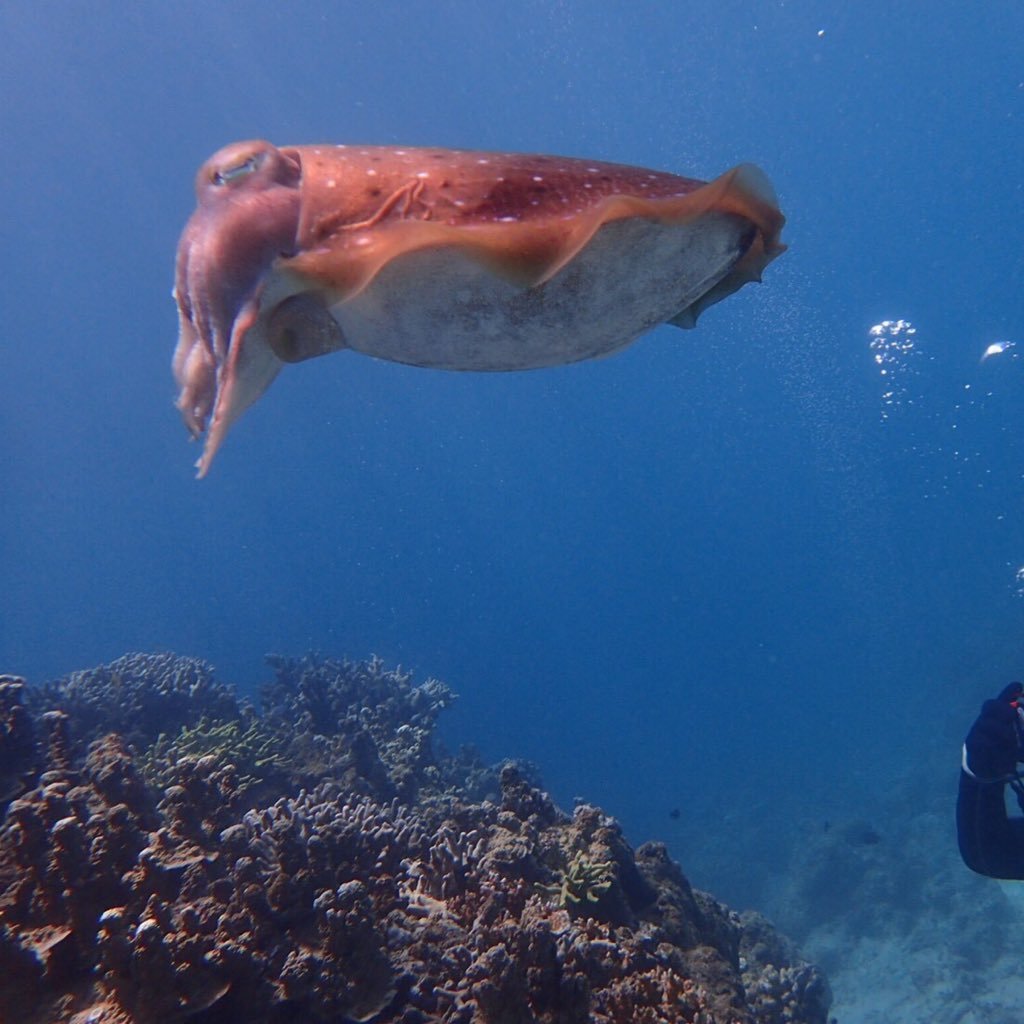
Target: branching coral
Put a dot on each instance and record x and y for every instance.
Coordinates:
(257, 752)
(583, 882)
(780, 986)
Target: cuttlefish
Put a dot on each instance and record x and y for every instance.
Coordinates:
(453, 259)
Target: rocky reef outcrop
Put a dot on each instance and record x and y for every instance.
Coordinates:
(170, 853)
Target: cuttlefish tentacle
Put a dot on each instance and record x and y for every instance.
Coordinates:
(195, 370)
(248, 216)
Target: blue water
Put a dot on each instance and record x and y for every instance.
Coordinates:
(720, 572)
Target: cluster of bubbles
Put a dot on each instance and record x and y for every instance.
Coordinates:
(961, 437)
(1018, 578)
(893, 348)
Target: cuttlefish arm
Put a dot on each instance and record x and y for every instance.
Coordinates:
(247, 217)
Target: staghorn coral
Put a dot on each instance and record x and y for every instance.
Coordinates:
(249, 744)
(125, 904)
(583, 882)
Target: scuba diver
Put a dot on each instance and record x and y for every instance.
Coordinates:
(991, 842)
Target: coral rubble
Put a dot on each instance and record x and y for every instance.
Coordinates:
(322, 860)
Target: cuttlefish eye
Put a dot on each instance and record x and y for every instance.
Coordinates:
(229, 175)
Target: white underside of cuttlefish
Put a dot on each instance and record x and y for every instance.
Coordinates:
(455, 260)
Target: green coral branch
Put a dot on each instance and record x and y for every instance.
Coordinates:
(253, 749)
(584, 881)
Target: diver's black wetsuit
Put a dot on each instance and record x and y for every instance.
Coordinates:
(992, 843)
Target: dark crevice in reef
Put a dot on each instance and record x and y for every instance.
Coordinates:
(170, 853)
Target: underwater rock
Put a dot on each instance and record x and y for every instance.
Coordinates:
(375, 888)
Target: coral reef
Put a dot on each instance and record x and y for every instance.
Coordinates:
(324, 861)
(780, 985)
(139, 696)
(370, 720)
(17, 738)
